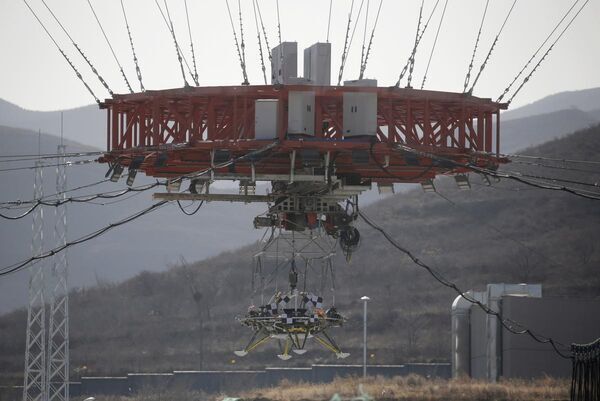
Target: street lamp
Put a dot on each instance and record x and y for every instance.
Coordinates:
(365, 299)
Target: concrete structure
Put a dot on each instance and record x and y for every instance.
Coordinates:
(284, 62)
(483, 349)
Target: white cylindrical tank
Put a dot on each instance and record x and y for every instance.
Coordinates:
(461, 334)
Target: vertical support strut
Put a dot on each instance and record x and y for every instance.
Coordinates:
(34, 387)
(58, 330)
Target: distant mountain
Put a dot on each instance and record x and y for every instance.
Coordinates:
(85, 124)
(520, 133)
(584, 100)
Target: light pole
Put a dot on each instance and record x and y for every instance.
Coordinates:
(365, 299)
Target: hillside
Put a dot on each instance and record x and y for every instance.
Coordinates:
(587, 100)
(504, 233)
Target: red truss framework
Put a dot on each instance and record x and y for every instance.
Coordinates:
(177, 131)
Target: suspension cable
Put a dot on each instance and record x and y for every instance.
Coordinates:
(243, 43)
(411, 57)
(363, 67)
(169, 23)
(187, 16)
(528, 77)
(279, 35)
(94, 70)
(237, 45)
(487, 57)
(260, 48)
(364, 41)
(264, 30)
(329, 19)
(508, 88)
(344, 52)
(347, 50)
(77, 73)
(135, 60)
(468, 76)
(437, 33)
(110, 47)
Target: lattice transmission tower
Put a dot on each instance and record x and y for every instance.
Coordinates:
(34, 387)
(57, 383)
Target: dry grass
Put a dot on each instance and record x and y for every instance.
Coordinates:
(410, 388)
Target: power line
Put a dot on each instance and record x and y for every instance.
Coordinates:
(347, 50)
(187, 16)
(468, 76)
(508, 324)
(20, 265)
(77, 199)
(437, 33)
(190, 213)
(237, 45)
(89, 63)
(587, 184)
(573, 191)
(77, 73)
(553, 159)
(23, 157)
(19, 203)
(487, 57)
(536, 52)
(581, 170)
(178, 51)
(135, 59)
(363, 65)
(70, 163)
(528, 77)
(110, 47)
(419, 36)
(260, 47)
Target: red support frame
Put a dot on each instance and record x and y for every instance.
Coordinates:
(201, 120)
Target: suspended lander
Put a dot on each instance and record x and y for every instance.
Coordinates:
(315, 143)
(295, 316)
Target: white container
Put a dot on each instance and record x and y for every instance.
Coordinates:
(371, 83)
(284, 62)
(360, 114)
(317, 64)
(265, 118)
(301, 113)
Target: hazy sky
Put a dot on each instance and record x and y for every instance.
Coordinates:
(35, 76)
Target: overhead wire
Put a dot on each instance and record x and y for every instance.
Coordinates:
(413, 53)
(577, 182)
(489, 54)
(190, 213)
(87, 60)
(138, 71)
(363, 48)
(594, 162)
(75, 199)
(19, 202)
(260, 47)
(363, 65)
(77, 73)
(187, 17)
(528, 77)
(178, 51)
(508, 324)
(493, 173)
(344, 51)
(470, 68)
(23, 157)
(243, 42)
(437, 33)
(548, 166)
(237, 46)
(329, 19)
(347, 50)
(508, 88)
(264, 31)
(110, 47)
(70, 163)
(22, 264)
